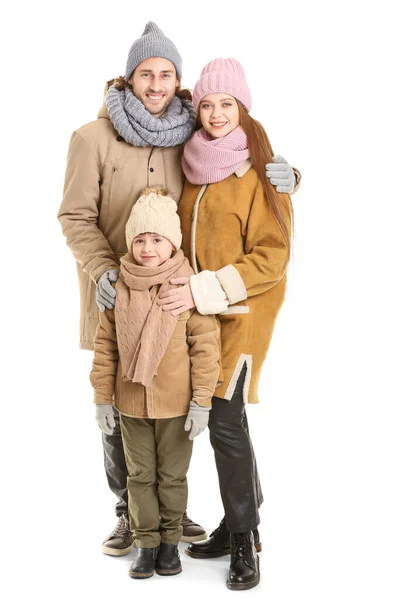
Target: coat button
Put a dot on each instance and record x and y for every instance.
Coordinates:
(151, 170)
(119, 138)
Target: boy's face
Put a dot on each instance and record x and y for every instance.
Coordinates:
(151, 249)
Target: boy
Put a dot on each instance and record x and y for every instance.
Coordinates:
(156, 369)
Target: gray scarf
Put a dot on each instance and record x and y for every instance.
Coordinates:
(138, 127)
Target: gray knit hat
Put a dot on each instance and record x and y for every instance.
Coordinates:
(153, 43)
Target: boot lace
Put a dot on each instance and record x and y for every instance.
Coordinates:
(241, 547)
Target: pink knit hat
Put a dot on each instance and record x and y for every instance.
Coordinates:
(223, 75)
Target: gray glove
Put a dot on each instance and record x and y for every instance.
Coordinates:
(281, 175)
(197, 419)
(105, 418)
(105, 293)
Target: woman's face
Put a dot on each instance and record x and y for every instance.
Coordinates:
(219, 114)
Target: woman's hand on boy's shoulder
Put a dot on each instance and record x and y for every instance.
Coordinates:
(177, 300)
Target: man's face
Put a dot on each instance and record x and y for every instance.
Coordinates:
(154, 82)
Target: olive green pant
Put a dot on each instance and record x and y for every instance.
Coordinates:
(157, 453)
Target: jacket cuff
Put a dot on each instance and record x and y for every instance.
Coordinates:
(297, 176)
(231, 281)
(209, 296)
(96, 274)
(102, 398)
(204, 401)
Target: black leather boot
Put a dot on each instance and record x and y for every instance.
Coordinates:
(168, 561)
(218, 543)
(144, 563)
(244, 571)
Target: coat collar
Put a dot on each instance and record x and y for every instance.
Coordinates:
(243, 168)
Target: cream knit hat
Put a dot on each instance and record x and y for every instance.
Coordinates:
(154, 212)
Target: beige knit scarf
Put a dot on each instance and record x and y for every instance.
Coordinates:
(143, 329)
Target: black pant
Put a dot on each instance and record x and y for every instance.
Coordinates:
(115, 465)
(235, 460)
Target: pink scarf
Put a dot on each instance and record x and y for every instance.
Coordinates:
(143, 329)
(208, 160)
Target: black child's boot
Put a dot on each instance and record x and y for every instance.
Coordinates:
(144, 563)
(168, 561)
(244, 571)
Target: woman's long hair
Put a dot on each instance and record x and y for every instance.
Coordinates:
(261, 153)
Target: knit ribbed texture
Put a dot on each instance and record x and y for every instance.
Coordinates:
(153, 43)
(208, 160)
(138, 127)
(223, 75)
(143, 329)
(154, 213)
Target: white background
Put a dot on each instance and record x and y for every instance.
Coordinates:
(328, 82)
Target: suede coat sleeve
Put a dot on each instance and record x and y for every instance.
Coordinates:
(106, 358)
(79, 211)
(266, 251)
(203, 340)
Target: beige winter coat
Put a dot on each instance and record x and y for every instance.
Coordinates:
(104, 178)
(188, 370)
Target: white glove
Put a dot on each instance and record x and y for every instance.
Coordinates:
(105, 293)
(105, 418)
(197, 419)
(281, 175)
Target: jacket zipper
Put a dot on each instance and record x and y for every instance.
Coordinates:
(114, 171)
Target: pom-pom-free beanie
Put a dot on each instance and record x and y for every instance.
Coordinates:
(223, 75)
(152, 43)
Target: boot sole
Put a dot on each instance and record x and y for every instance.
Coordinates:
(165, 572)
(215, 554)
(141, 575)
(116, 551)
(248, 585)
(194, 538)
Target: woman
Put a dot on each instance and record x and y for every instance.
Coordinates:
(236, 234)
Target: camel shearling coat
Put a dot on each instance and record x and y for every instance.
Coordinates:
(229, 230)
(104, 178)
(188, 370)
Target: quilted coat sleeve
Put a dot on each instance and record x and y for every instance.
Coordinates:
(106, 358)
(79, 211)
(203, 340)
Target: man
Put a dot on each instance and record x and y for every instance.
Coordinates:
(136, 142)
